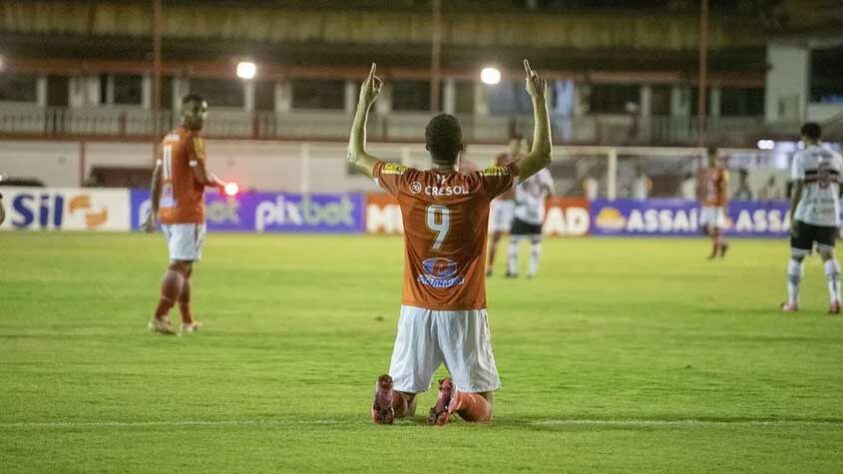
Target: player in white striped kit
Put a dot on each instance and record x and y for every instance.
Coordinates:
(815, 211)
(530, 197)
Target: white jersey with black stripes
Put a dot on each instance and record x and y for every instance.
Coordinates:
(820, 169)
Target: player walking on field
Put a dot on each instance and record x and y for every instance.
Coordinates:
(503, 205)
(178, 199)
(445, 213)
(530, 197)
(714, 183)
(815, 211)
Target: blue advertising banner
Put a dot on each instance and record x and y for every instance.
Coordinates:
(676, 217)
(272, 212)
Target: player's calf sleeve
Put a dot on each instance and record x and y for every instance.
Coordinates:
(794, 278)
(473, 407)
(535, 253)
(832, 275)
(171, 286)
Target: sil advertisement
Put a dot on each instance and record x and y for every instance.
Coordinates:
(75, 209)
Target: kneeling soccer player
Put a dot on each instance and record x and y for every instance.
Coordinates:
(443, 314)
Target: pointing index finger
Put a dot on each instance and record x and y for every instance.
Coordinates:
(527, 67)
(372, 71)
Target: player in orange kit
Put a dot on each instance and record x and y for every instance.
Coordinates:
(715, 186)
(446, 214)
(178, 199)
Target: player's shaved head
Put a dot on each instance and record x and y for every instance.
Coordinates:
(194, 111)
(443, 139)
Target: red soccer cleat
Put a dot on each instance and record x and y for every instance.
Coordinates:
(382, 411)
(789, 307)
(834, 308)
(440, 413)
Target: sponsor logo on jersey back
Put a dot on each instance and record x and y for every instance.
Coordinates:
(440, 272)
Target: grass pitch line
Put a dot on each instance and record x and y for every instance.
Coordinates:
(620, 423)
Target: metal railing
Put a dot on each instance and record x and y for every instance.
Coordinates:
(396, 126)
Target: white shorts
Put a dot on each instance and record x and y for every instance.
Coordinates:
(501, 214)
(184, 241)
(428, 338)
(713, 216)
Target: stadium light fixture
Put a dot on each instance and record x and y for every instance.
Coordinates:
(246, 70)
(490, 75)
(766, 144)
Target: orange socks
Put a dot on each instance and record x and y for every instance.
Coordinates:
(472, 407)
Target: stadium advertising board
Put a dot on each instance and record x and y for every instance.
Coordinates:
(567, 217)
(563, 217)
(272, 212)
(78, 209)
(676, 217)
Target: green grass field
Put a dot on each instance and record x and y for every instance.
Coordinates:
(624, 355)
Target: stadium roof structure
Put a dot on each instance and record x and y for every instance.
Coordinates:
(608, 41)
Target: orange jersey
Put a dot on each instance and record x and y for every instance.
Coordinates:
(182, 198)
(504, 159)
(446, 222)
(715, 182)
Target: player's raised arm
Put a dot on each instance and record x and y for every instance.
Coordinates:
(357, 141)
(155, 198)
(540, 155)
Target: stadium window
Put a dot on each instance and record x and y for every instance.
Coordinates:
(741, 102)
(660, 104)
(103, 89)
(128, 89)
(465, 97)
(264, 96)
(613, 98)
(411, 95)
(827, 75)
(318, 95)
(18, 88)
(219, 92)
(166, 93)
(510, 98)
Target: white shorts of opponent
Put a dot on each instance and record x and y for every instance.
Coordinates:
(713, 216)
(184, 241)
(429, 338)
(501, 213)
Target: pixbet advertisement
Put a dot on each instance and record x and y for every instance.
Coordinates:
(272, 212)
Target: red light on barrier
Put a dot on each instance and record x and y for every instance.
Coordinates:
(231, 189)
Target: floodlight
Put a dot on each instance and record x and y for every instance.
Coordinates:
(246, 70)
(490, 75)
